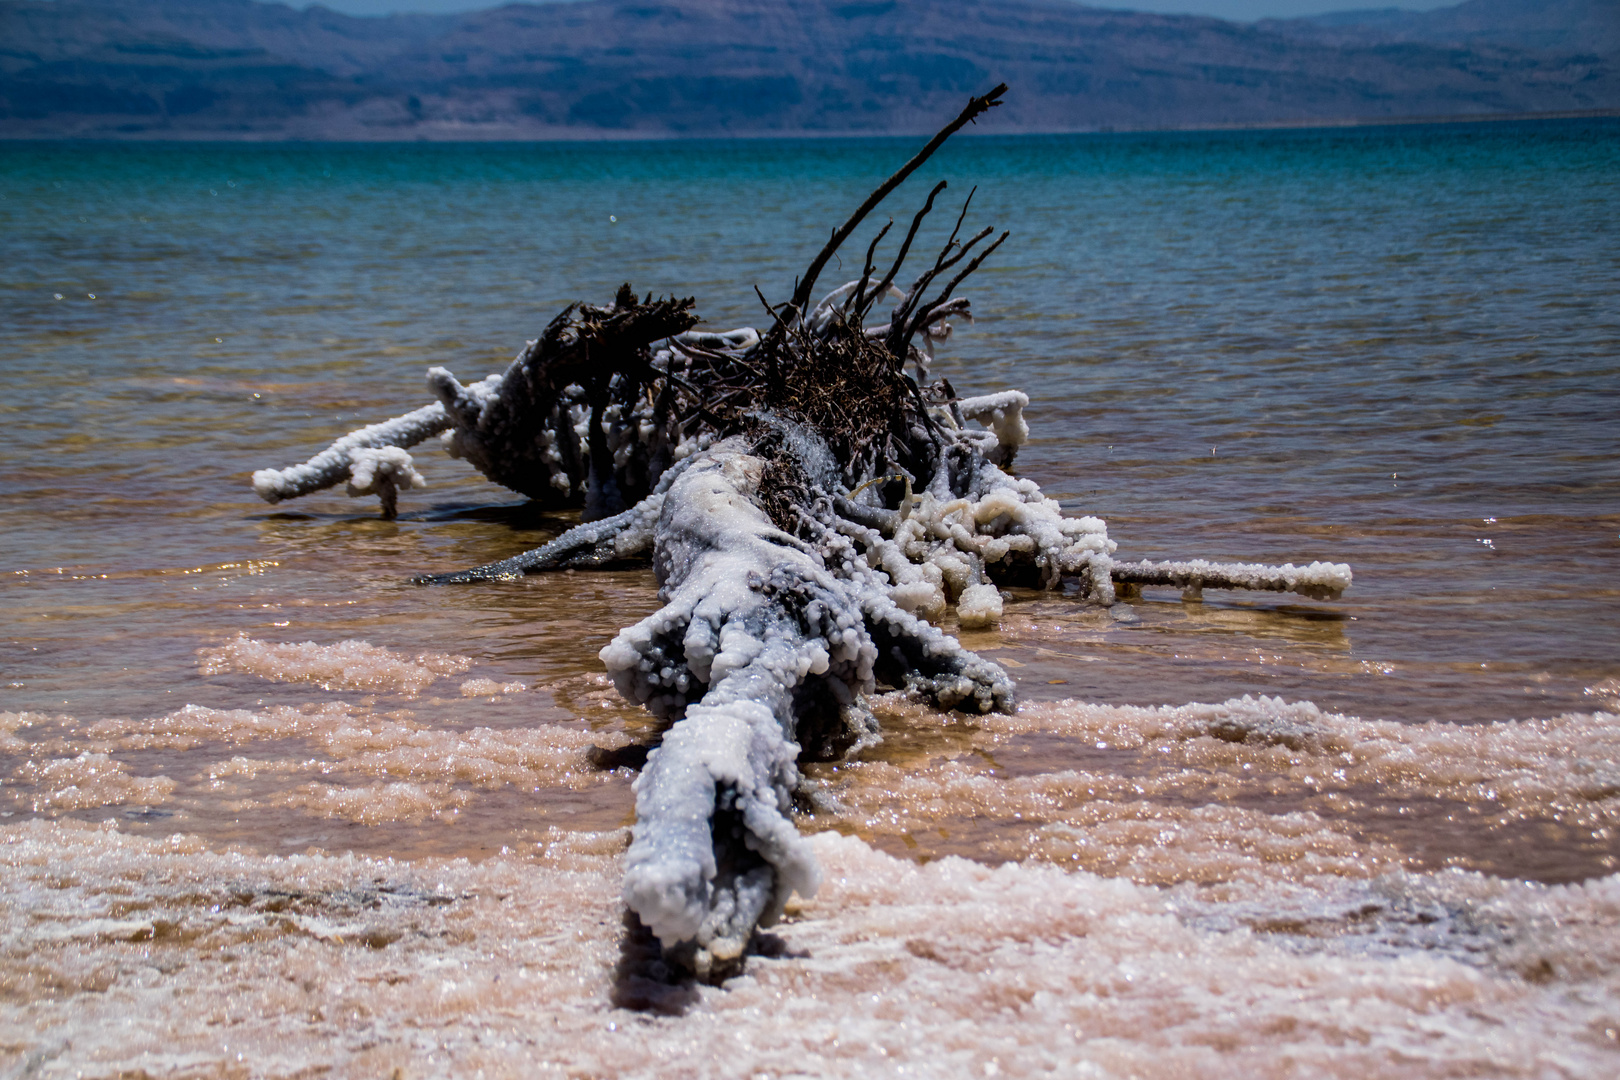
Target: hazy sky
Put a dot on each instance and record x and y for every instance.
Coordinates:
(1225, 9)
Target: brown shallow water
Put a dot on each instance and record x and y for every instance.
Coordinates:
(268, 809)
(126, 649)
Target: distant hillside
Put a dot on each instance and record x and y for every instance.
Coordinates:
(239, 69)
(1569, 27)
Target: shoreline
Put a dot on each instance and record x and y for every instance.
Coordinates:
(494, 134)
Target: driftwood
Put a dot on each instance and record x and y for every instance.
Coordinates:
(810, 508)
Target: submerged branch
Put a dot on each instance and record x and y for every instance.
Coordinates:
(1318, 580)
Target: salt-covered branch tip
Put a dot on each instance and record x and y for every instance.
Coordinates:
(813, 512)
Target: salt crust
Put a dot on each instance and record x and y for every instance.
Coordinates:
(1166, 812)
(415, 771)
(11, 723)
(124, 955)
(490, 688)
(1606, 691)
(979, 606)
(937, 547)
(348, 665)
(1002, 413)
(374, 804)
(355, 744)
(1104, 823)
(382, 472)
(88, 780)
(1567, 765)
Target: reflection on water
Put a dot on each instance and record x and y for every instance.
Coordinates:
(372, 826)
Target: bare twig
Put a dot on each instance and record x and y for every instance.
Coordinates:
(905, 249)
(975, 107)
(897, 336)
(926, 314)
(866, 271)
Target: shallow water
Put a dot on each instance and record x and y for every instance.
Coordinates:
(1396, 348)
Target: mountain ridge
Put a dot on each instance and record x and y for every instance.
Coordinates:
(653, 68)
(1551, 26)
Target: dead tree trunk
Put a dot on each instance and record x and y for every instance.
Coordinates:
(809, 507)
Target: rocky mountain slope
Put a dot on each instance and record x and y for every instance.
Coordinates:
(617, 68)
(1570, 27)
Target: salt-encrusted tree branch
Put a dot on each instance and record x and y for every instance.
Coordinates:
(335, 464)
(521, 428)
(811, 511)
(1318, 580)
(591, 545)
(765, 640)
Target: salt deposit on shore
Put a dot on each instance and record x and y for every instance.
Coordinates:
(123, 955)
(348, 665)
(1189, 890)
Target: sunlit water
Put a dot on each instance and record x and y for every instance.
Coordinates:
(1397, 348)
